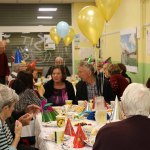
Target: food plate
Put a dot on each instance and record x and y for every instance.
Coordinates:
(90, 141)
(51, 137)
(49, 124)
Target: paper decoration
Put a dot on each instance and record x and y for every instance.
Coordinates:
(108, 60)
(18, 56)
(79, 138)
(48, 113)
(116, 111)
(69, 129)
(32, 64)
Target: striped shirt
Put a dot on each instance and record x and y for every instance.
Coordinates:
(6, 137)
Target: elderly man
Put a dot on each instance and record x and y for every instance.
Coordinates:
(58, 61)
(89, 85)
(132, 133)
(4, 69)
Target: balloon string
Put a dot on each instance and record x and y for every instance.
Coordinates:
(94, 49)
(58, 50)
(105, 35)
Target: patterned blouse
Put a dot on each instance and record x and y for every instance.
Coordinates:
(26, 98)
(58, 97)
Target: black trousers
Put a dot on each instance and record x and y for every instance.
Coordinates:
(25, 147)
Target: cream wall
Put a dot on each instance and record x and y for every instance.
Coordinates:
(130, 14)
(76, 7)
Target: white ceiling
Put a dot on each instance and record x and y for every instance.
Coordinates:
(43, 1)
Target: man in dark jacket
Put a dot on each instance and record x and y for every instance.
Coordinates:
(89, 86)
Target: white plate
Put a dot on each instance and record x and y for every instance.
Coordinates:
(52, 138)
(90, 141)
(49, 124)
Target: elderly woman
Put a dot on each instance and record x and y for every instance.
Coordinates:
(117, 81)
(58, 89)
(123, 72)
(133, 132)
(58, 62)
(8, 98)
(108, 92)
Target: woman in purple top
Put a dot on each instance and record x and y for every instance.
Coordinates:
(58, 89)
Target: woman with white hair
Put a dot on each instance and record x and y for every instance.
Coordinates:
(133, 132)
(8, 98)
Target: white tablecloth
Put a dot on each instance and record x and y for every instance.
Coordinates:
(41, 131)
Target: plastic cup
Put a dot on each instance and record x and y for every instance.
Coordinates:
(60, 120)
(68, 102)
(81, 103)
(59, 136)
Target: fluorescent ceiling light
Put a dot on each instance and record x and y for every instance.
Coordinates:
(44, 17)
(47, 9)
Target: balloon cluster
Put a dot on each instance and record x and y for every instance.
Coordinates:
(90, 21)
(91, 18)
(62, 30)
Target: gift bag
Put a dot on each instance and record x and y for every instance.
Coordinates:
(48, 113)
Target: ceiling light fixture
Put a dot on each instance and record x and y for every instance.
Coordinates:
(44, 17)
(47, 9)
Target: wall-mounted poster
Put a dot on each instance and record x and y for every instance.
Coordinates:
(128, 44)
(77, 42)
(48, 43)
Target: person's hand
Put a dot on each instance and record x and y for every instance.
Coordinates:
(25, 119)
(41, 90)
(33, 109)
(18, 128)
(85, 104)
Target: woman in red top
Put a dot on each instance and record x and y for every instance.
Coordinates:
(117, 81)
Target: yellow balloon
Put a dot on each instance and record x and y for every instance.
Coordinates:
(108, 7)
(91, 23)
(70, 36)
(54, 36)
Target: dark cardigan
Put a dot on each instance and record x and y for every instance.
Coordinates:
(49, 88)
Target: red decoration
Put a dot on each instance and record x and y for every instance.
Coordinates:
(69, 129)
(32, 64)
(12, 58)
(79, 138)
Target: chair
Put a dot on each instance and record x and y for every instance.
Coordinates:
(40, 71)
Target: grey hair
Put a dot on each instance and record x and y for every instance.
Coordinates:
(136, 100)
(87, 65)
(15, 67)
(7, 96)
(59, 58)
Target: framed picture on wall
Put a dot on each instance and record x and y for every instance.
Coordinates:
(48, 43)
(98, 45)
